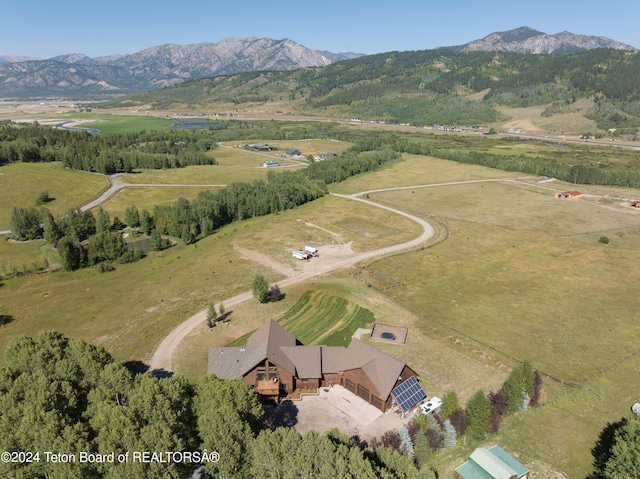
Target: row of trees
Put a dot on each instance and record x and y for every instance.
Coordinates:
(64, 396)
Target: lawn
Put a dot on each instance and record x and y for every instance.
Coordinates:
(319, 318)
(20, 256)
(20, 183)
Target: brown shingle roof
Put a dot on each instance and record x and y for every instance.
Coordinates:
(264, 343)
(271, 341)
(307, 360)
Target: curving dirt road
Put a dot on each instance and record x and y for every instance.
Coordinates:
(160, 364)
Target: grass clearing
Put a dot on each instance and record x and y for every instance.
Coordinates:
(516, 206)
(530, 119)
(418, 170)
(20, 183)
(507, 274)
(20, 256)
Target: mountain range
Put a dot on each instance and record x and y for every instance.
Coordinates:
(79, 76)
(529, 40)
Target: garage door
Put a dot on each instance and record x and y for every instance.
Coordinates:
(351, 386)
(363, 393)
(377, 402)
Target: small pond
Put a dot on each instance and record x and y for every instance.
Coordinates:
(388, 335)
(144, 244)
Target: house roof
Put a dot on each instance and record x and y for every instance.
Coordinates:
(307, 360)
(382, 369)
(271, 341)
(492, 463)
(265, 343)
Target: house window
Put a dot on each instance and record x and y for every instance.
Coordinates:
(285, 386)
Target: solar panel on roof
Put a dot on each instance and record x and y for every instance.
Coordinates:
(408, 394)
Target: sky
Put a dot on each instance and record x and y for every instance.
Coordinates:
(47, 28)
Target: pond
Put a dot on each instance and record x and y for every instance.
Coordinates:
(144, 244)
(388, 335)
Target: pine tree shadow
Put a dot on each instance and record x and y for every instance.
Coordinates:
(601, 452)
(5, 319)
(136, 367)
(284, 414)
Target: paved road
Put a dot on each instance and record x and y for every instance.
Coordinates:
(161, 362)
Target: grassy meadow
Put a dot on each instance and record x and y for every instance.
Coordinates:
(20, 183)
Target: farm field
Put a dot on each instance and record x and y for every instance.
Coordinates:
(107, 123)
(20, 183)
(504, 275)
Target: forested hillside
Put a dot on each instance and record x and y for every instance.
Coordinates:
(432, 86)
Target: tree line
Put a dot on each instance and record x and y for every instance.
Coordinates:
(105, 154)
(64, 396)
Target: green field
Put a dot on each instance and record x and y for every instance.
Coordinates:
(319, 318)
(20, 183)
(20, 256)
(418, 170)
(109, 124)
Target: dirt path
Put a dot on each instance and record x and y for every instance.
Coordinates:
(331, 259)
(265, 260)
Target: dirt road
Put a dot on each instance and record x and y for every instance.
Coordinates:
(160, 364)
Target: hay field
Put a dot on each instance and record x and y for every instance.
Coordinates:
(509, 276)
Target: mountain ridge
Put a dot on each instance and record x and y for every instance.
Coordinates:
(529, 40)
(78, 76)
(155, 67)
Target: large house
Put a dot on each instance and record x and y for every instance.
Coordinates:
(274, 363)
